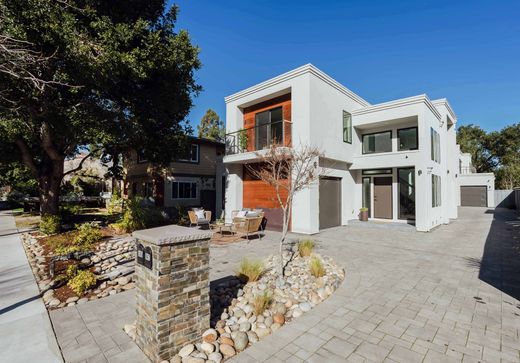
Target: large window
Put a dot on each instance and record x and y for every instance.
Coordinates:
(435, 145)
(407, 139)
(406, 193)
(184, 190)
(192, 154)
(436, 191)
(347, 127)
(269, 128)
(379, 142)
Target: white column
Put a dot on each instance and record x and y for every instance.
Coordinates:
(234, 190)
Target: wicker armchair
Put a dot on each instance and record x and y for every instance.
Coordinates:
(194, 220)
(247, 226)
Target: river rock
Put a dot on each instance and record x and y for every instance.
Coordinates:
(215, 357)
(227, 350)
(186, 350)
(241, 340)
(210, 335)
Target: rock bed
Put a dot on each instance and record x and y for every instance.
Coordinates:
(112, 261)
(237, 326)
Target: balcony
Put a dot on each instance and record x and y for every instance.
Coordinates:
(259, 137)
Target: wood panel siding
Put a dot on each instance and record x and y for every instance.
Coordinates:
(283, 101)
(259, 194)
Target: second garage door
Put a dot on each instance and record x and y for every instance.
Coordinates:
(330, 202)
(473, 196)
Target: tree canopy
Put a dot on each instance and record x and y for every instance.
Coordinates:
(497, 151)
(211, 126)
(114, 74)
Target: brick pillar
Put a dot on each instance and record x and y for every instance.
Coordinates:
(173, 294)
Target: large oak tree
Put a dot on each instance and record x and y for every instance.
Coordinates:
(114, 75)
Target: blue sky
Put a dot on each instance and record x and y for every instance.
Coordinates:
(466, 51)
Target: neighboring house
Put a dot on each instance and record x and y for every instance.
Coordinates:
(399, 158)
(195, 180)
(476, 189)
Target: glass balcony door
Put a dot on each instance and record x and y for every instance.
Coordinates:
(269, 128)
(406, 193)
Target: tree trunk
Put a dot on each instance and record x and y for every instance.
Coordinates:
(285, 229)
(49, 188)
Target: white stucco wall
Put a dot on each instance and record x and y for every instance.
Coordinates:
(480, 179)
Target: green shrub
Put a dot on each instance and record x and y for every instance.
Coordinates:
(88, 234)
(72, 271)
(80, 241)
(262, 302)
(70, 209)
(305, 247)
(182, 215)
(316, 267)
(50, 224)
(136, 216)
(250, 270)
(115, 204)
(363, 209)
(83, 280)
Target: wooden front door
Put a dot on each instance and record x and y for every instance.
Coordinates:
(383, 197)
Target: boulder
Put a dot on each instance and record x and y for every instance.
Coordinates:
(241, 340)
(215, 357)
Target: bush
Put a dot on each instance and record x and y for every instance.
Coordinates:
(50, 224)
(83, 280)
(305, 247)
(250, 270)
(72, 271)
(88, 234)
(70, 209)
(115, 204)
(137, 216)
(316, 266)
(262, 302)
(83, 241)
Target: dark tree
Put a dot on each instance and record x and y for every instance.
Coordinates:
(113, 74)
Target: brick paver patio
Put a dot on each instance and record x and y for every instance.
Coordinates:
(450, 295)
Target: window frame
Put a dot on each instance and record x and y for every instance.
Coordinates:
(379, 171)
(348, 127)
(191, 161)
(416, 138)
(376, 133)
(268, 126)
(436, 191)
(178, 182)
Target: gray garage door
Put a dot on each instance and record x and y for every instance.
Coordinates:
(474, 196)
(330, 202)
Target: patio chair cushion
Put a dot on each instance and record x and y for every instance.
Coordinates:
(251, 214)
(200, 214)
(241, 214)
(202, 221)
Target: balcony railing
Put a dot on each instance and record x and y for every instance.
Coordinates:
(259, 137)
(467, 170)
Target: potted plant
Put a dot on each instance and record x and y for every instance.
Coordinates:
(363, 214)
(242, 140)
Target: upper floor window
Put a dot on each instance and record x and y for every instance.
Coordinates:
(379, 142)
(435, 145)
(407, 139)
(192, 154)
(269, 128)
(347, 127)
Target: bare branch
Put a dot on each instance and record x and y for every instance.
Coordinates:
(80, 165)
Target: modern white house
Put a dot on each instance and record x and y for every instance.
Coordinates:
(399, 159)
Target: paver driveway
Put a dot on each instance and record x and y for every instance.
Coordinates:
(448, 295)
